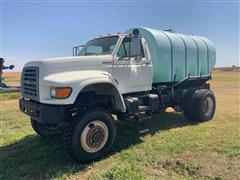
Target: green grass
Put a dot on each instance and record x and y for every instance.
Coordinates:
(174, 148)
(8, 96)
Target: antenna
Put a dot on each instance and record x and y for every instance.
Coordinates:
(65, 42)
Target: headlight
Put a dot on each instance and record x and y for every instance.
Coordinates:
(60, 92)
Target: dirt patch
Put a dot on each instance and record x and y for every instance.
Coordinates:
(196, 163)
(156, 171)
(181, 167)
(237, 162)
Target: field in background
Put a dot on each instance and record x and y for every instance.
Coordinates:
(173, 148)
(12, 78)
(228, 69)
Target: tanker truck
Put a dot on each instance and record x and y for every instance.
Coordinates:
(125, 75)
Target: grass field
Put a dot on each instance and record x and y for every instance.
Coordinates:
(174, 148)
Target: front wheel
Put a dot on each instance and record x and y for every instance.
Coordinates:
(91, 135)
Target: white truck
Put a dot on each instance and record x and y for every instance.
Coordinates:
(131, 74)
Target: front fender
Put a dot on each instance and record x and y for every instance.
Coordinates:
(77, 80)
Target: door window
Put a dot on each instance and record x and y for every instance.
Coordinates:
(125, 48)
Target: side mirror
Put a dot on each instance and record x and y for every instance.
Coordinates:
(11, 67)
(136, 46)
(77, 50)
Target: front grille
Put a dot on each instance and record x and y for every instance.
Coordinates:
(30, 83)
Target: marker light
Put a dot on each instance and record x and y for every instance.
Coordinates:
(60, 92)
(135, 32)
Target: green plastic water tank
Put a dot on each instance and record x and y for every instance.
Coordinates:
(176, 56)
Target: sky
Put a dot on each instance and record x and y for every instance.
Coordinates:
(34, 30)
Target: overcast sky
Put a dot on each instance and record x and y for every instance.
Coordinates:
(33, 30)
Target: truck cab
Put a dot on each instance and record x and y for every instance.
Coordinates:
(124, 64)
(77, 96)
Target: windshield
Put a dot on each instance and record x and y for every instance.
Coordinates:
(99, 46)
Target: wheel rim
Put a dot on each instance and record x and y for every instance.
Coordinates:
(94, 136)
(208, 106)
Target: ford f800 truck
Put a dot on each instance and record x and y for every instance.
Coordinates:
(131, 74)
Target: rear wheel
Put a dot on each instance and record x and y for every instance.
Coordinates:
(91, 136)
(200, 105)
(187, 104)
(203, 104)
(45, 130)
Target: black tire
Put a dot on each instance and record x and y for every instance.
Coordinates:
(122, 117)
(45, 130)
(200, 98)
(74, 134)
(195, 105)
(187, 104)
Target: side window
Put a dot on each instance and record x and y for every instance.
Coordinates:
(125, 48)
(111, 48)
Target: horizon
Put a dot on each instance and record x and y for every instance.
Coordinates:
(38, 30)
(215, 68)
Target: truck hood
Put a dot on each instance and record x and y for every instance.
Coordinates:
(72, 63)
(75, 72)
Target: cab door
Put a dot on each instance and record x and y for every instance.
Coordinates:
(132, 71)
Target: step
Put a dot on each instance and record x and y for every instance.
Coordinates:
(144, 108)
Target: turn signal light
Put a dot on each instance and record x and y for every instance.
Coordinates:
(60, 92)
